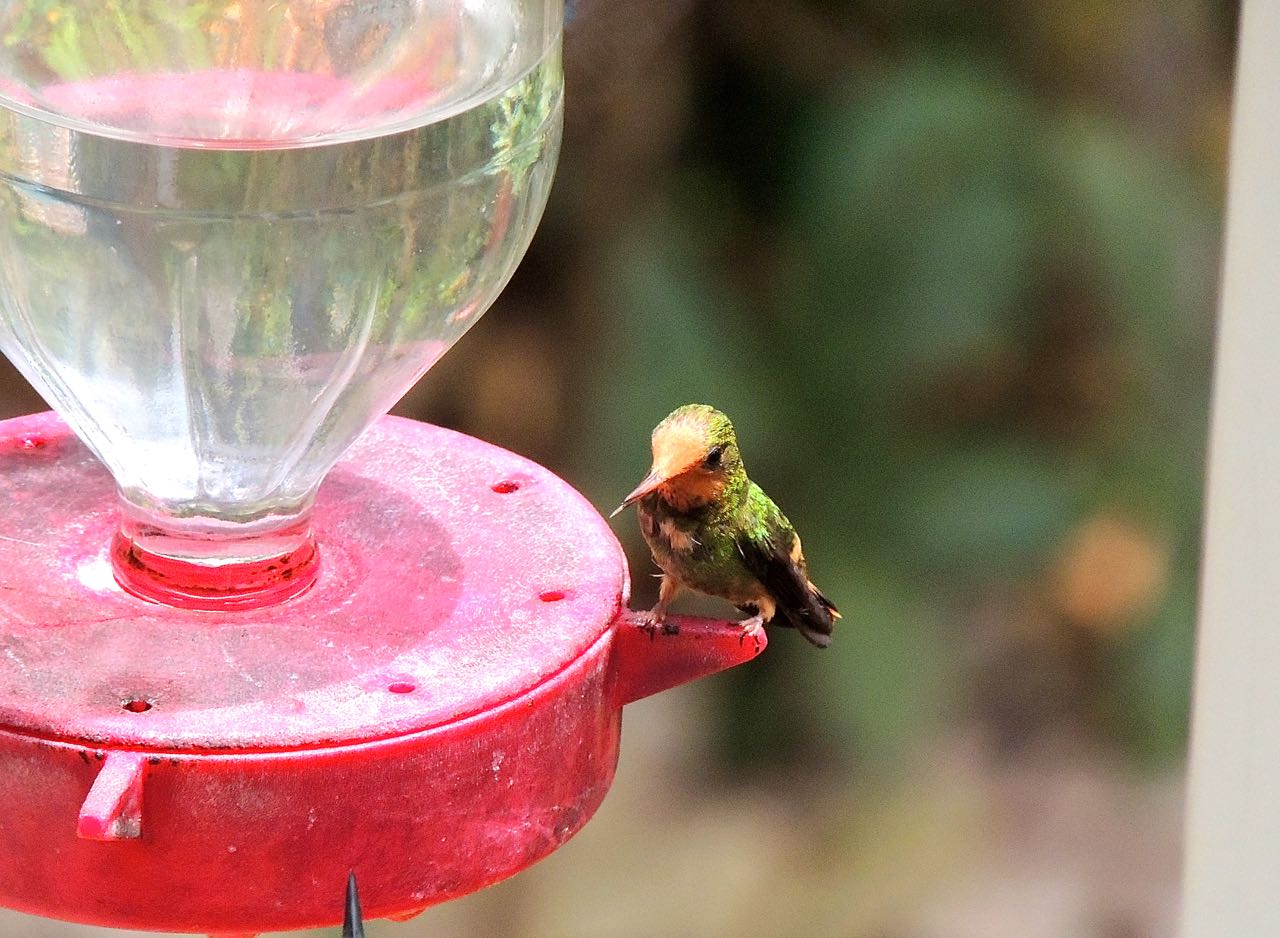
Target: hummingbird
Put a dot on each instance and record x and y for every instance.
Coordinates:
(711, 529)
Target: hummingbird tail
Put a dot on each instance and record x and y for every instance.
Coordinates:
(815, 620)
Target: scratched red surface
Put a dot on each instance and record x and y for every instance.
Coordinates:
(432, 584)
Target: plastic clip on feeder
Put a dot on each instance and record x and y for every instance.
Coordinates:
(256, 635)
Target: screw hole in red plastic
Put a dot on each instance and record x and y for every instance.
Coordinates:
(137, 705)
(506, 486)
(552, 596)
(401, 687)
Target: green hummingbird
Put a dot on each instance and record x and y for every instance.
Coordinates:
(712, 529)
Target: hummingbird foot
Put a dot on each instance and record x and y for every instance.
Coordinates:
(655, 620)
(753, 629)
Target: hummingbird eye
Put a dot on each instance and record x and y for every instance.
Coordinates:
(714, 456)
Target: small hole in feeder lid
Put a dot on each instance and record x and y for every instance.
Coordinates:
(137, 705)
(552, 596)
(401, 687)
(506, 486)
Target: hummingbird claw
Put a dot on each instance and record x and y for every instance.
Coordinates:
(352, 923)
(753, 628)
(655, 620)
(651, 623)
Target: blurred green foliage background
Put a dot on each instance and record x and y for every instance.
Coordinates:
(950, 267)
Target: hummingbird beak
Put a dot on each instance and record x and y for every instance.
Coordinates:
(650, 483)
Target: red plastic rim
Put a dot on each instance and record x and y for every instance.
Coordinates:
(426, 575)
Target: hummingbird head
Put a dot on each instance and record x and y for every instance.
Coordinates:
(695, 458)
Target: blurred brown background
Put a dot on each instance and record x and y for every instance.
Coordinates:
(950, 267)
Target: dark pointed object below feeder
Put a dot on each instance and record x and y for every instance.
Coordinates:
(352, 924)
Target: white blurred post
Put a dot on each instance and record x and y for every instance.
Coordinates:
(1232, 874)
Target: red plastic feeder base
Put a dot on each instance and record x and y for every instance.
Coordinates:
(439, 711)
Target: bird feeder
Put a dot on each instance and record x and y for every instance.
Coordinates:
(255, 635)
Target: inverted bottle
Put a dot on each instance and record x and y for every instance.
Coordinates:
(221, 276)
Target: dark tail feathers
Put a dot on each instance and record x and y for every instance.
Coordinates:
(815, 620)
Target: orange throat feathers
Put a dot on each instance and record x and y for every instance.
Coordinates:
(691, 489)
(678, 460)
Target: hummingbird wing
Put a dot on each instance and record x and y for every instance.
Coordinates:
(773, 554)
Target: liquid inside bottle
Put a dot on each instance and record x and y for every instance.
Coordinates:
(221, 276)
